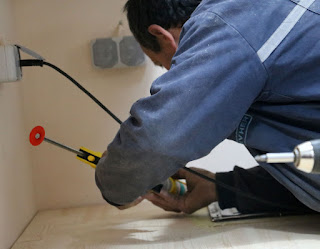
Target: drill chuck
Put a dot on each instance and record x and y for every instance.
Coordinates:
(305, 156)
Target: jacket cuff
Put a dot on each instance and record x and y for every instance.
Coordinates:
(111, 203)
(100, 187)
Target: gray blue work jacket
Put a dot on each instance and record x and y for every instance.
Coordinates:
(247, 70)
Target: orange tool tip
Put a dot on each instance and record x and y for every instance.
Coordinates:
(37, 135)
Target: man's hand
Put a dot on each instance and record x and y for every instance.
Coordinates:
(200, 193)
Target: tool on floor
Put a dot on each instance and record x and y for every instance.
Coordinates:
(37, 136)
(305, 156)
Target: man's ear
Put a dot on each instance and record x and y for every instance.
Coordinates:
(164, 37)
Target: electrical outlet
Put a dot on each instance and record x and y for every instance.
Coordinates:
(10, 69)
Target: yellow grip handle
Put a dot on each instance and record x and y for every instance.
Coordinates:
(90, 157)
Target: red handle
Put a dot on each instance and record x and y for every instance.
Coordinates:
(37, 135)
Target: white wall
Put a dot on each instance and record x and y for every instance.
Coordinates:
(17, 202)
(61, 31)
(224, 157)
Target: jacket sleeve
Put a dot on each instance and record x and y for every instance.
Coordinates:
(214, 78)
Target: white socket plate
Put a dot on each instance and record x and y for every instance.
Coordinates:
(10, 70)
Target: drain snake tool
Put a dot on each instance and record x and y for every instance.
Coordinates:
(37, 136)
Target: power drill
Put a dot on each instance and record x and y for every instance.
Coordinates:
(305, 156)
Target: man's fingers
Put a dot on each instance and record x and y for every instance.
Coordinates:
(156, 200)
(188, 203)
(181, 174)
(164, 201)
(165, 206)
(157, 197)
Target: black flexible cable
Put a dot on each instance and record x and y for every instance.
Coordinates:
(84, 90)
(25, 63)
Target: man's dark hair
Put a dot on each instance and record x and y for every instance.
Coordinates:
(165, 13)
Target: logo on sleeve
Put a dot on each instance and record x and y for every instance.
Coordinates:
(242, 130)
